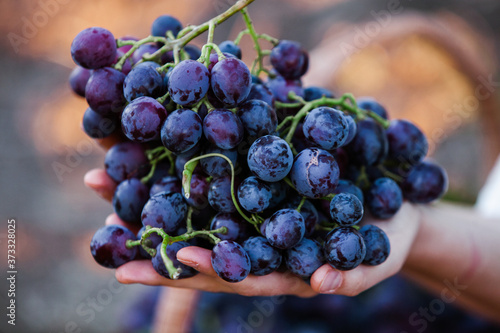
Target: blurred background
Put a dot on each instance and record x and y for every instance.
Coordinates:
(434, 62)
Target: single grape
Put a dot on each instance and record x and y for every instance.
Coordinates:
(108, 246)
(261, 92)
(229, 46)
(192, 51)
(143, 81)
(353, 129)
(93, 48)
(130, 197)
(223, 128)
(98, 126)
(426, 182)
(407, 144)
(313, 93)
(126, 160)
(166, 184)
(237, 227)
(346, 209)
(344, 248)
(165, 23)
(144, 50)
(346, 186)
(326, 127)
(152, 242)
(281, 87)
(214, 59)
(377, 245)
(384, 198)
(308, 212)
(254, 195)
(181, 131)
(368, 103)
(285, 228)
(230, 261)
(188, 82)
(164, 210)
(198, 196)
(172, 249)
(289, 59)
(369, 146)
(264, 258)
(230, 81)
(78, 80)
(218, 166)
(142, 119)
(304, 258)
(270, 158)
(219, 195)
(258, 118)
(314, 173)
(104, 91)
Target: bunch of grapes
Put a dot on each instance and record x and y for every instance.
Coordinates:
(267, 174)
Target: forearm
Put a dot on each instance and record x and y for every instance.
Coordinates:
(456, 254)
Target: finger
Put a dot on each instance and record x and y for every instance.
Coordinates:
(198, 258)
(99, 181)
(114, 219)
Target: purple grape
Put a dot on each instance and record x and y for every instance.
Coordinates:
(377, 245)
(270, 158)
(214, 59)
(261, 92)
(229, 46)
(127, 65)
(219, 195)
(407, 144)
(254, 195)
(369, 146)
(326, 127)
(98, 126)
(384, 198)
(182, 131)
(289, 59)
(308, 212)
(130, 197)
(78, 80)
(264, 258)
(223, 128)
(108, 246)
(368, 103)
(164, 210)
(126, 160)
(93, 48)
(143, 81)
(346, 209)
(199, 192)
(142, 119)
(104, 91)
(258, 118)
(152, 242)
(304, 258)
(172, 249)
(344, 248)
(230, 261)
(165, 23)
(280, 87)
(346, 186)
(126, 48)
(231, 81)
(426, 182)
(352, 128)
(237, 227)
(313, 93)
(166, 184)
(285, 228)
(188, 82)
(144, 50)
(217, 166)
(314, 173)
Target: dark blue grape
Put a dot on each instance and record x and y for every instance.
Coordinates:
(254, 195)
(219, 195)
(285, 228)
(93, 48)
(261, 92)
(346, 186)
(426, 182)
(172, 249)
(126, 160)
(78, 80)
(278, 193)
(346, 209)
(152, 242)
(162, 169)
(98, 126)
(377, 245)
(313, 93)
(353, 129)
(314, 173)
(143, 81)
(104, 91)
(308, 212)
(217, 166)
(270, 158)
(181, 131)
(181, 160)
(144, 50)
(192, 51)
(258, 118)
(229, 46)
(199, 192)
(289, 59)
(223, 128)
(231, 81)
(326, 127)
(108, 246)
(344, 248)
(384, 198)
(368, 103)
(165, 23)
(188, 82)
(130, 197)
(142, 119)
(164, 210)
(369, 146)
(304, 258)
(237, 227)
(230, 261)
(407, 144)
(166, 184)
(264, 258)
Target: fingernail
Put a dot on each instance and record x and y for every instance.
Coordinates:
(331, 282)
(190, 263)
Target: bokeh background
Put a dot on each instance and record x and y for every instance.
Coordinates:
(434, 62)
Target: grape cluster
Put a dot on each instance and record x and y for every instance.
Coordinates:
(270, 175)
